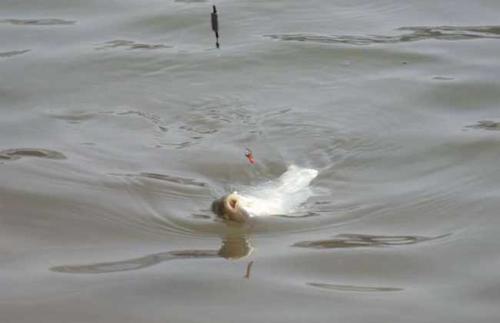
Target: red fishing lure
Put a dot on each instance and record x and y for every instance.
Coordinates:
(249, 156)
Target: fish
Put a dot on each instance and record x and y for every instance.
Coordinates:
(279, 197)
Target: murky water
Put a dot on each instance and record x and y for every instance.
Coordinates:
(121, 123)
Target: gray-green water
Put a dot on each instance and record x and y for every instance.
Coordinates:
(121, 123)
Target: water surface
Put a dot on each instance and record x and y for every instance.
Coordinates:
(121, 123)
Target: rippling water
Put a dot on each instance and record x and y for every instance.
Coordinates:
(122, 123)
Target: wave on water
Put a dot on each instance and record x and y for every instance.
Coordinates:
(130, 44)
(13, 154)
(486, 125)
(38, 22)
(13, 53)
(364, 240)
(282, 196)
(410, 34)
(353, 288)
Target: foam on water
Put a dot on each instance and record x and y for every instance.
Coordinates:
(281, 196)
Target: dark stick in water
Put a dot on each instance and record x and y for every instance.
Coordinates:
(215, 26)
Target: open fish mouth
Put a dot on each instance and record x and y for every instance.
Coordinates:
(233, 202)
(229, 208)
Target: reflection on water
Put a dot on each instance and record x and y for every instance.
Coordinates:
(232, 248)
(249, 270)
(363, 240)
(13, 154)
(415, 34)
(352, 288)
(235, 248)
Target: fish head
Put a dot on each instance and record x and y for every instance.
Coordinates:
(229, 207)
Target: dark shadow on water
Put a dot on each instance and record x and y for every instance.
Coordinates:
(165, 178)
(409, 34)
(135, 263)
(363, 240)
(486, 125)
(129, 44)
(13, 154)
(13, 53)
(38, 22)
(231, 248)
(443, 78)
(74, 117)
(152, 118)
(202, 215)
(352, 288)
(173, 179)
(297, 216)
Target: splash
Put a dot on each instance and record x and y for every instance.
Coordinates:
(282, 196)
